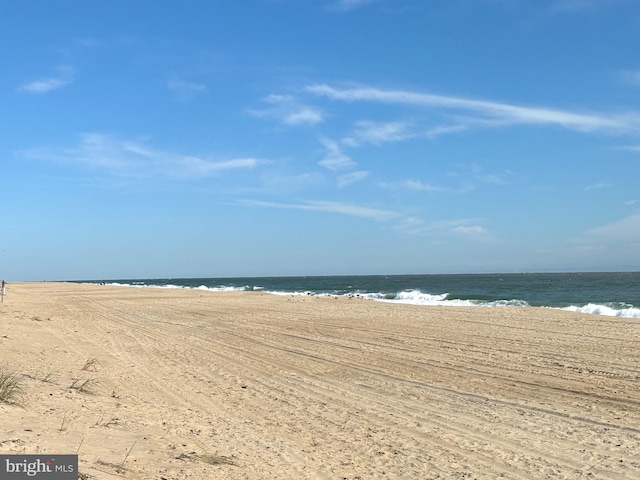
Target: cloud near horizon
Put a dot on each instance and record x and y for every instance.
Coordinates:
(464, 227)
(623, 231)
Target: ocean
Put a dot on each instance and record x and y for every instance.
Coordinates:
(612, 294)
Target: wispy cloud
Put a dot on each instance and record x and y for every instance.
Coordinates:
(625, 230)
(185, 90)
(440, 130)
(582, 6)
(470, 230)
(598, 186)
(303, 115)
(330, 207)
(631, 77)
(49, 84)
(478, 173)
(347, 5)
(469, 177)
(135, 158)
(89, 42)
(466, 227)
(288, 110)
(630, 148)
(353, 177)
(335, 158)
(496, 113)
(377, 133)
(618, 242)
(420, 186)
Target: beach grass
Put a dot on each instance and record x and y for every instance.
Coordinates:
(11, 386)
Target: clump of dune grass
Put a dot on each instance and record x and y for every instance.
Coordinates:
(90, 364)
(217, 460)
(208, 458)
(81, 385)
(11, 390)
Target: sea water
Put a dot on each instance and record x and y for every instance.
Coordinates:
(613, 294)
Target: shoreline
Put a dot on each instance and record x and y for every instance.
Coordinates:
(254, 385)
(410, 296)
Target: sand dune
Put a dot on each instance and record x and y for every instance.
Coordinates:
(185, 384)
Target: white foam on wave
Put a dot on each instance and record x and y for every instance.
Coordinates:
(596, 309)
(416, 297)
(222, 288)
(283, 293)
(142, 285)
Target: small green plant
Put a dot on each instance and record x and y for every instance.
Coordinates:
(11, 390)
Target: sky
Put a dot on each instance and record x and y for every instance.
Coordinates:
(210, 138)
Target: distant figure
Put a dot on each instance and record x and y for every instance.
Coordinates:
(3, 290)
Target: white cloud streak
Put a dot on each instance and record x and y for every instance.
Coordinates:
(598, 186)
(303, 115)
(335, 158)
(377, 133)
(49, 84)
(288, 110)
(185, 90)
(626, 230)
(329, 207)
(132, 158)
(497, 112)
(347, 5)
(615, 243)
(353, 177)
(631, 77)
(466, 227)
(630, 148)
(419, 186)
(581, 6)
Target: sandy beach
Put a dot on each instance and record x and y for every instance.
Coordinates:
(186, 384)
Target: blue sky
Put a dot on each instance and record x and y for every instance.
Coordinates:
(291, 137)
